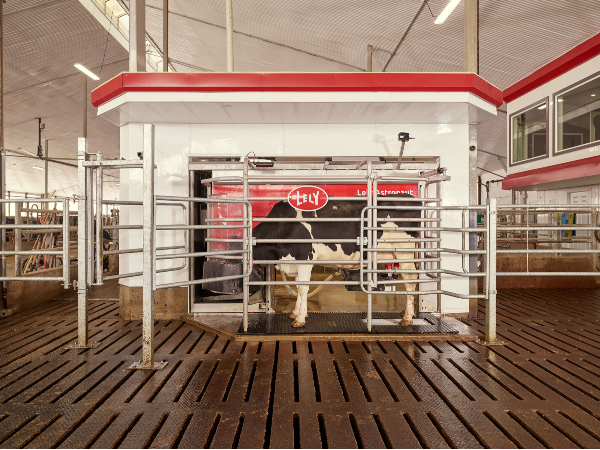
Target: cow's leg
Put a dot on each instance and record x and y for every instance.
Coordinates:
(409, 311)
(304, 272)
(296, 312)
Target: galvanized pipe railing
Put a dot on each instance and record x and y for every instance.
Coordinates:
(371, 247)
(22, 228)
(526, 228)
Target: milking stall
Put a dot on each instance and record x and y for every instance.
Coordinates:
(299, 250)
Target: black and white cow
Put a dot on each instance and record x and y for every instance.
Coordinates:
(339, 252)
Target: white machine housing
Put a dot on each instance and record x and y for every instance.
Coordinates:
(292, 116)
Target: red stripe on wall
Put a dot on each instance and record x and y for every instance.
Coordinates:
(566, 171)
(296, 82)
(573, 58)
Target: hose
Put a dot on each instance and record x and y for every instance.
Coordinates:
(315, 291)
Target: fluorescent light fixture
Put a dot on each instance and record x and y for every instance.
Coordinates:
(593, 95)
(38, 168)
(88, 72)
(542, 107)
(447, 11)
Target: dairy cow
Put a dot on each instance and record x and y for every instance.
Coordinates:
(331, 251)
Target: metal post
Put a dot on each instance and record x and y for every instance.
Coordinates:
(99, 240)
(440, 305)
(2, 160)
(148, 244)
(84, 130)
(82, 229)
(473, 284)
(3, 214)
(137, 35)
(229, 29)
(472, 36)
(490, 309)
(46, 169)
(374, 224)
(89, 212)
(165, 62)
(66, 244)
(369, 243)
(246, 245)
(369, 58)
(18, 237)
(270, 276)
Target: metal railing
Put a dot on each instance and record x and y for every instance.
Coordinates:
(510, 216)
(20, 227)
(126, 251)
(245, 252)
(526, 229)
(427, 250)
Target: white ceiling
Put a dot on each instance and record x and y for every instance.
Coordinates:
(43, 38)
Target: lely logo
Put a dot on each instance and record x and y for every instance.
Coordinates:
(307, 198)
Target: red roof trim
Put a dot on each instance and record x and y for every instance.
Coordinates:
(573, 58)
(107, 91)
(566, 171)
(296, 82)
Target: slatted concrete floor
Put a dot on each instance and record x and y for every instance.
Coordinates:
(540, 390)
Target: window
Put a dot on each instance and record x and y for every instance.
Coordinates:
(578, 116)
(529, 137)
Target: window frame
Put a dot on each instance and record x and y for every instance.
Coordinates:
(555, 151)
(510, 132)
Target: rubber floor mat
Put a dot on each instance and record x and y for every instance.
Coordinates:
(338, 323)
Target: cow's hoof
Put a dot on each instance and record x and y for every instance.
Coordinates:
(406, 323)
(298, 324)
(293, 316)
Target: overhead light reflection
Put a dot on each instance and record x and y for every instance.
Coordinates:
(452, 4)
(88, 72)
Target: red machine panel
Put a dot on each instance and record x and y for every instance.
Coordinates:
(262, 208)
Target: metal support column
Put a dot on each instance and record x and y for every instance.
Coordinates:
(46, 168)
(490, 307)
(369, 58)
(473, 285)
(472, 36)
(18, 238)
(246, 245)
(148, 256)
(3, 291)
(82, 230)
(66, 243)
(2, 160)
(165, 62)
(229, 29)
(137, 35)
(84, 105)
(374, 224)
(369, 244)
(270, 276)
(99, 240)
(438, 215)
(89, 223)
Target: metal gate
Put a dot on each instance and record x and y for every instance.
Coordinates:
(426, 253)
(430, 246)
